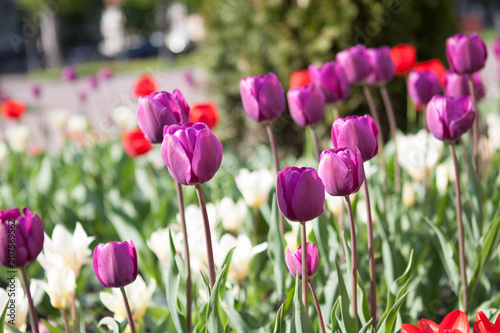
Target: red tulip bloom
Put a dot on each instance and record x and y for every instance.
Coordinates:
(454, 322)
(12, 109)
(404, 57)
(135, 143)
(145, 85)
(434, 65)
(204, 113)
(300, 79)
(483, 325)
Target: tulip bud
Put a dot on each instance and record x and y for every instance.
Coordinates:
(145, 85)
(254, 186)
(192, 153)
(355, 63)
(409, 197)
(135, 143)
(307, 104)
(457, 85)
(354, 131)
(68, 73)
(20, 234)
(404, 57)
(232, 214)
(422, 86)
(466, 53)
(300, 193)
(93, 82)
(204, 113)
(36, 90)
(448, 118)
(262, 96)
(105, 73)
(300, 79)
(12, 109)
(341, 171)
(294, 260)
(17, 137)
(115, 263)
(433, 65)
(382, 67)
(333, 81)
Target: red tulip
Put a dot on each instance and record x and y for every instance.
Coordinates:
(455, 322)
(145, 85)
(300, 79)
(483, 325)
(404, 57)
(12, 109)
(135, 143)
(434, 65)
(204, 113)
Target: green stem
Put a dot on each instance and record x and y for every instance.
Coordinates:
(320, 316)
(127, 308)
(31, 307)
(305, 294)
(208, 237)
(272, 141)
(393, 128)
(65, 320)
(315, 142)
(354, 262)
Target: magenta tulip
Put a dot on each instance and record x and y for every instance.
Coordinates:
(306, 104)
(341, 171)
(36, 90)
(262, 96)
(448, 118)
(422, 86)
(457, 85)
(332, 80)
(68, 73)
(115, 264)
(466, 53)
(354, 131)
(93, 82)
(381, 65)
(294, 260)
(355, 63)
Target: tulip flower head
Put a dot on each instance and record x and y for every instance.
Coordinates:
(448, 118)
(157, 244)
(105, 73)
(354, 131)
(204, 113)
(404, 57)
(300, 193)
(483, 325)
(466, 53)
(69, 73)
(93, 82)
(36, 90)
(232, 214)
(115, 263)
(135, 143)
(457, 85)
(307, 104)
(382, 67)
(126, 119)
(455, 322)
(422, 86)
(294, 260)
(333, 81)
(60, 286)
(355, 63)
(300, 79)
(160, 109)
(17, 137)
(341, 171)
(433, 65)
(262, 96)
(254, 186)
(145, 85)
(12, 109)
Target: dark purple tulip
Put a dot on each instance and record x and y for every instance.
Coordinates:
(294, 260)
(93, 82)
(457, 85)
(36, 90)
(20, 234)
(263, 97)
(355, 63)
(354, 131)
(466, 53)
(68, 73)
(192, 153)
(422, 86)
(105, 73)
(306, 104)
(115, 263)
(161, 109)
(448, 118)
(301, 194)
(382, 67)
(341, 171)
(332, 79)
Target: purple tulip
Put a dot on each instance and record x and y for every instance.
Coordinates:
(306, 104)
(20, 234)
(192, 153)
(355, 63)
(422, 86)
(457, 85)
(301, 194)
(115, 263)
(263, 97)
(105, 73)
(354, 131)
(36, 90)
(93, 82)
(382, 67)
(496, 48)
(68, 73)
(332, 80)
(341, 171)
(466, 53)
(161, 109)
(448, 118)
(294, 260)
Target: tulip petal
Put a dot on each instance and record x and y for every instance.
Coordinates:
(456, 320)
(249, 98)
(308, 192)
(461, 125)
(176, 159)
(428, 326)
(293, 263)
(207, 156)
(407, 328)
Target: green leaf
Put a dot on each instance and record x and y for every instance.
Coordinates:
(172, 286)
(276, 251)
(278, 322)
(162, 328)
(214, 324)
(241, 321)
(348, 323)
(302, 320)
(11, 328)
(387, 324)
(367, 327)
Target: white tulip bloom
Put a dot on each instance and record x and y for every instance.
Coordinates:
(3, 152)
(493, 121)
(138, 295)
(58, 119)
(60, 286)
(17, 137)
(291, 237)
(409, 196)
(335, 204)
(232, 214)
(21, 306)
(77, 125)
(124, 118)
(255, 186)
(159, 243)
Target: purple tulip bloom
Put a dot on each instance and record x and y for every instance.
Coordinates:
(192, 153)
(68, 73)
(161, 109)
(457, 85)
(466, 53)
(82, 96)
(448, 118)
(115, 263)
(93, 82)
(341, 171)
(294, 260)
(355, 63)
(36, 90)
(306, 104)
(301, 194)
(354, 131)
(20, 234)
(105, 73)
(332, 80)
(422, 86)
(382, 67)
(263, 97)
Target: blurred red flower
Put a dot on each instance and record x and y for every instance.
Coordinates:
(455, 322)
(135, 143)
(204, 113)
(483, 325)
(300, 79)
(12, 109)
(434, 65)
(404, 57)
(145, 85)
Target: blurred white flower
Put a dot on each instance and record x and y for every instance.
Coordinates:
(370, 169)
(17, 137)
(255, 186)
(493, 121)
(58, 119)
(158, 243)
(335, 204)
(409, 195)
(361, 211)
(21, 306)
(3, 152)
(444, 174)
(138, 295)
(412, 156)
(60, 287)
(124, 118)
(291, 237)
(77, 125)
(232, 214)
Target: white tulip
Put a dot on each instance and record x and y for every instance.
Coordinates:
(17, 137)
(232, 214)
(58, 119)
(291, 237)
(124, 118)
(77, 125)
(3, 152)
(60, 287)
(21, 306)
(445, 173)
(335, 204)
(158, 243)
(255, 186)
(409, 196)
(493, 121)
